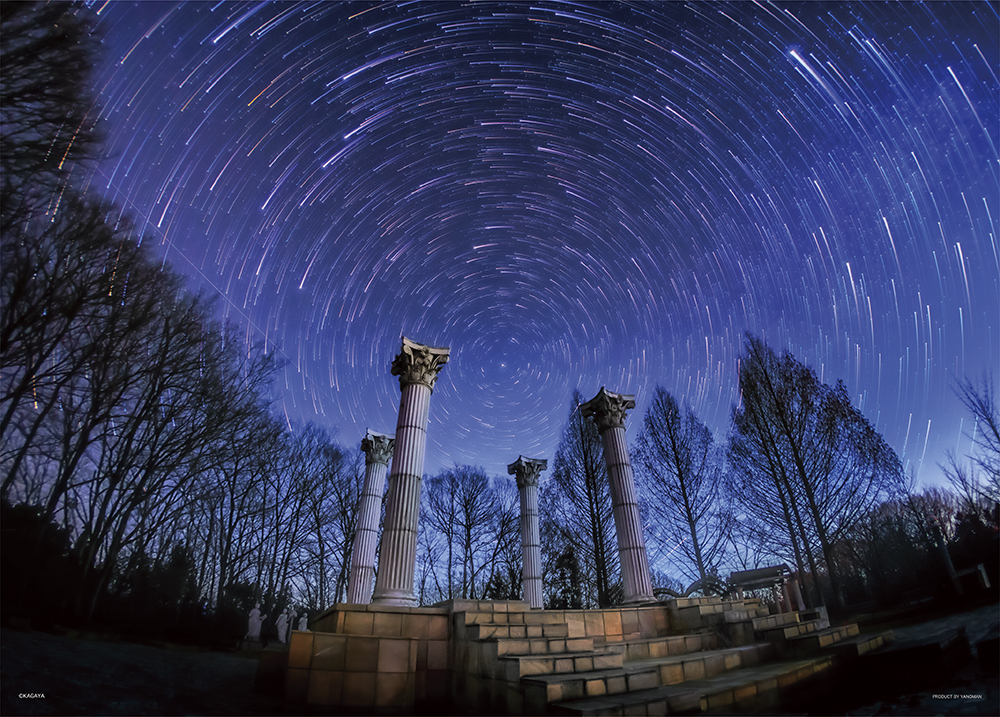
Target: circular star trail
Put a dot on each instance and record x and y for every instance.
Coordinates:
(573, 195)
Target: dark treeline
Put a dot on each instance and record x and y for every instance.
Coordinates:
(145, 484)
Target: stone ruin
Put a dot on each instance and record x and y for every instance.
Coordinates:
(382, 654)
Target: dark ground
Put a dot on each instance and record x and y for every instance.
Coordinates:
(91, 677)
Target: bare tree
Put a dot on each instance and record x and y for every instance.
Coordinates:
(684, 479)
(828, 465)
(577, 498)
(980, 400)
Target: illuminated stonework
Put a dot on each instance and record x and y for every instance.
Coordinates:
(419, 364)
(526, 472)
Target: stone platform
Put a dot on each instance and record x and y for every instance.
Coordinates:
(687, 655)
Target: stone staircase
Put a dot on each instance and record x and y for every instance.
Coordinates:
(688, 655)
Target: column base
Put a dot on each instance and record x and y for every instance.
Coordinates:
(400, 598)
(639, 600)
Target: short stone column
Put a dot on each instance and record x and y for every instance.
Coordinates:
(608, 410)
(377, 448)
(417, 367)
(525, 472)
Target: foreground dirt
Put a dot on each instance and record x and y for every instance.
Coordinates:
(42, 674)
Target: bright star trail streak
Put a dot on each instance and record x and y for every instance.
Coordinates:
(573, 195)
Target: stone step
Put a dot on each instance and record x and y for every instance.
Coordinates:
(499, 606)
(678, 603)
(863, 644)
(513, 667)
(658, 701)
(819, 639)
(481, 631)
(782, 633)
(542, 690)
(760, 688)
(653, 647)
(782, 618)
(699, 665)
(537, 617)
(746, 615)
(540, 646)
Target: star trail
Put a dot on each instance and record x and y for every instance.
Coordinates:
(573, 195)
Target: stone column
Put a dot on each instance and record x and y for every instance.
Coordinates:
(608, 410)
(417, 367)
(525, 472)
(378, 450)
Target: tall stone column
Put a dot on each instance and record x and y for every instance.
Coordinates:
(377, 448)
(417, 367)
(608, 410)
(525, 472)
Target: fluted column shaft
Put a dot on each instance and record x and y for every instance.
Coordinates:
(378, 450)
(417, 367)
(608, 410)
(526, 473)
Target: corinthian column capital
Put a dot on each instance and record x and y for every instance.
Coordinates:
(608, 409)
(377, 447)
(527, 470)
(420, 364)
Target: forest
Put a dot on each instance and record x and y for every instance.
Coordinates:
(148, 486)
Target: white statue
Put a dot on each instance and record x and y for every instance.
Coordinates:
(282, 625)
(304, 623)
(254, 623)
(291, 621)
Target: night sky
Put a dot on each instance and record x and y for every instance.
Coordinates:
(573, 195)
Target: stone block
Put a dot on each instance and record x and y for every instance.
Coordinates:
(643, 681)
(394, 690)
(300, 650)
(328, 652)
(359, 689)
(714, 664)
(594, 624)
(630, 621)
(325, 687)
(662, 621)
(720, 699)
(575, 625)
(387, 624)
(296, 685)
(358, 623)
(563, 664)
(671, 673)
(535, 630)
(517, 647)
(362, 654)
(616, 684)
(647, 623)
(437, 628)
(437, 684)
(607, 662)
(395, 656)
(583, 664)
(576, 644)
(415, 625)
(694, 670)
(612, 622)
(742, 693)
(595, 688)
(635, 710)
(437, 655)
